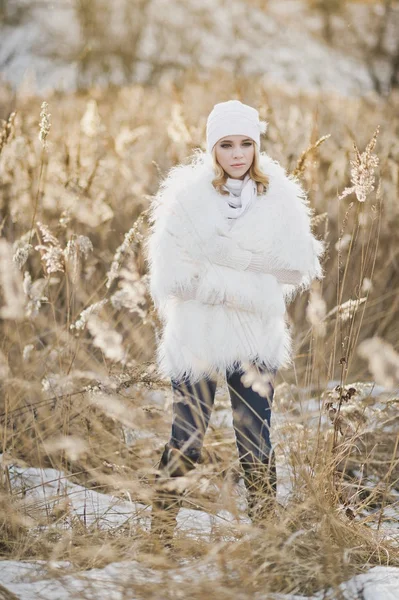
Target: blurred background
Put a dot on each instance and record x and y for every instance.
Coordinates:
(348, 46)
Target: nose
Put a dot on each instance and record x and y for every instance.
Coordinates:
(237, 152)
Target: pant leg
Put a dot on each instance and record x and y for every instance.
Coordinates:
(251, 421)
(192, 408)
(251, 417)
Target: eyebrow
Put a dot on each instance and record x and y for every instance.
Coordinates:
(245, 140)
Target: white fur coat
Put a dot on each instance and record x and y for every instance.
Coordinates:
(234, 315)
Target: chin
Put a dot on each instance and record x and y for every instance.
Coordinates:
(237, 174)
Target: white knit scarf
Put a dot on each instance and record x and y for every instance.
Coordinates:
(241, 194)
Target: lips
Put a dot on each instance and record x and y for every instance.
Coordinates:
(239, 165)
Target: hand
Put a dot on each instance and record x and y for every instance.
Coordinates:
(214, 297)
(189, 293)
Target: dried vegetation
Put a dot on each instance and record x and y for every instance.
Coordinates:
(78, 388)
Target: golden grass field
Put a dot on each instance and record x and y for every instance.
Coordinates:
(78, 330)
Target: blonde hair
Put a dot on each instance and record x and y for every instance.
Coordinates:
(255, 172)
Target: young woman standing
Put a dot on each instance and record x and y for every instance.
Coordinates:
(230, 246)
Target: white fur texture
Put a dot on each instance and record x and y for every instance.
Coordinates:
(236, 315)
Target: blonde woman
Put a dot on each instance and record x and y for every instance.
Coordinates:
(230, 245)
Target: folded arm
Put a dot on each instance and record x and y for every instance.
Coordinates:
(225, 252)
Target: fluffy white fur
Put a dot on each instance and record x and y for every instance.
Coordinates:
(236, 315)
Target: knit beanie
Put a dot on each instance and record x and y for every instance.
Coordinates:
(233, 118)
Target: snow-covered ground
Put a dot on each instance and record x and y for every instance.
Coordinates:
(278, 45)
(29, 581)
(43, 489)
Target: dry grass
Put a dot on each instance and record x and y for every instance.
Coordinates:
(78, 391)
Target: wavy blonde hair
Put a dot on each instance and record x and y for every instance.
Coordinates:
(255, 172)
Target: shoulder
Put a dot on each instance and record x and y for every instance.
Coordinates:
(183, 176)
(270, 166)
(183, 191)
(278, 174)
(284, 187)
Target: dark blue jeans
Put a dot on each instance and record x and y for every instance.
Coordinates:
(192, 407)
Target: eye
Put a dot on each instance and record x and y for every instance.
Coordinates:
(226, 145)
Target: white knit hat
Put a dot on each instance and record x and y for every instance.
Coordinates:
(233, 118)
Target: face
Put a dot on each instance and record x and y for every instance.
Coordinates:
(234, 150)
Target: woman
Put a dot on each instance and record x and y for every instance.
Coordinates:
(230, 246)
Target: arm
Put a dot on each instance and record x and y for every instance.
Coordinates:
(260, 263)
(226, 252)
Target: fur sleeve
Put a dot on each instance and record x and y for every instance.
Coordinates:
(170, 269)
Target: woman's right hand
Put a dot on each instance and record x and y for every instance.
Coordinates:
(191, 292)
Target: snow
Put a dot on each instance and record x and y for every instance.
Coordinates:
(379, 583)
(42, 489)
(29, 581)
(45, 488)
